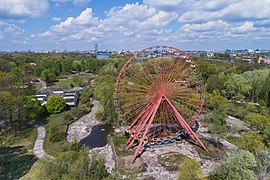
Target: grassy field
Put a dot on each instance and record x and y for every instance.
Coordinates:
(24, 140)
(119, 142)
(56, 133)
(17, 165)
(66, 82)
(14, 167)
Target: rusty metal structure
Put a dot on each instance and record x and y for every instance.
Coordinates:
(158, 97)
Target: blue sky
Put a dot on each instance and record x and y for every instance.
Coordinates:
(119, 24)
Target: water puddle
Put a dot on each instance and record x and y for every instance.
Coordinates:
(98, 136)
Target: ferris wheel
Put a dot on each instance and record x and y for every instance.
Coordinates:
(159, 96)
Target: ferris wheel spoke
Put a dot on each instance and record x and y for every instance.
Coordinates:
(145, 79)
(159, 92)
(187, 77)
(190, 99)
(137, 79)
(183, 110)
(188, 104)
(134, 88)
(174, 73)
(138, 86)
(185, 73)
(135, 103)
(144, 70)
(136, 107)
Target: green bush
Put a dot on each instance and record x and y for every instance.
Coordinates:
(239, 164)
(77, 112)
(57, 135)
(68, 117)
(55, 104)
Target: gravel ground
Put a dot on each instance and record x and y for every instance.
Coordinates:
(82, 127)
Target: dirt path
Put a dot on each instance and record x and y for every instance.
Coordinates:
(38, 148)
(43, 84)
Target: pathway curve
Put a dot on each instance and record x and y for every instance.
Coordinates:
(38, 148)
(43, 84)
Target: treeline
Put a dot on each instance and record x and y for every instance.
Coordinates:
(243, 92)
(18, 106)
(249, 83)
(105, 88)
(49, 66)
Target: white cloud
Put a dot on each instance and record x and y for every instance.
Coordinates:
(12, 29)
(246, 27)
(140, 16)
(75, 2)
(86, 18)
(129, 21)
(209, 26)
(132, 11)
(17, 9)
(162, 3)
(207, 22)
(56, 19)
(228, 10)
(177, 6)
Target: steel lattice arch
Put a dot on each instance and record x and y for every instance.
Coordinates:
(159, 96)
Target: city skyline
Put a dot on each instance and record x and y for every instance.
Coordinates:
(116, 25)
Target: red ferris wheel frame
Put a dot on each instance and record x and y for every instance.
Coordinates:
(161, 93)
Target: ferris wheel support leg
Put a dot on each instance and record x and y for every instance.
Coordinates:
(139, 127)
(185, 125)
(156, 106)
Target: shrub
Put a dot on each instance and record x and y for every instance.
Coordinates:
(57, 135)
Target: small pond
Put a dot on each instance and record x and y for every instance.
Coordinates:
(98, 136)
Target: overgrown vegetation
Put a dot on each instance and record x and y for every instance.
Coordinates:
(190, 169)
(232, 89)
(119, 142)
(240, 164)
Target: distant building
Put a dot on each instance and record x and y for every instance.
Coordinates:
(96, 48)
(247, 60)
(71, 97)
(210, 54)
(42, 96)
(58, 93)
(265, 59)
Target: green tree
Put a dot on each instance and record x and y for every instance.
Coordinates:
(19, 76)
(104, 93)
(240, 164)
(6, 81)
(29, 109)
(73, 165)
(263, 164)
(7, 106)
(217, 120)
(190, 169)
(259, 83)
(258, 121)
(238, 84)
(55, 104)
(48, 75)
(250, 141)
(216, 82)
